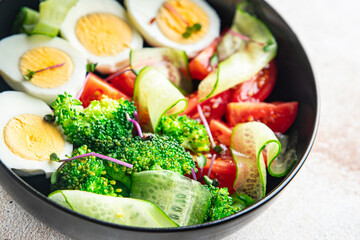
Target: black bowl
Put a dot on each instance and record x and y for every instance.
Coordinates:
(295, 83)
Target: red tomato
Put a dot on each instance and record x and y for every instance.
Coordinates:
(221, 132)
(200, 66)
(224, 170)
(123, 80)
(278, 116)
(95, 89)
(213, 108)
(258, 88)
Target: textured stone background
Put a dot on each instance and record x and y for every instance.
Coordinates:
(323, 201)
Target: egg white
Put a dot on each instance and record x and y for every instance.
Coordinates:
(14, 47)
(142, 12)
(106, 64)
(13, 103)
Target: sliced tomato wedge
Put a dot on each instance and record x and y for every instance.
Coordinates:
(95, 89)
(213, 108)
(200, 66)
(259, 87)
(221, 132)
(224, 170)
(123, 80)
(278, 116)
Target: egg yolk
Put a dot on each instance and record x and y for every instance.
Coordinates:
(103, 34)
(44, 57)
(28, 136)
(176, 15)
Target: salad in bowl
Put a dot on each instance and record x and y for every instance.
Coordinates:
(148, 114)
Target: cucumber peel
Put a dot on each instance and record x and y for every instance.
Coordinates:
(154, 96)
(184, 200)
(287, 157)
(25, 20)
(173, 63)
(52, 14)
(119, 210)
(248, 59)
(248, 140)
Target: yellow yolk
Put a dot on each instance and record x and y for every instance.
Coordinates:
(28, 136)
(174, 19)
(103, 34)
(43, 57)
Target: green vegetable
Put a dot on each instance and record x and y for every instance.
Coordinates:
(101, 120)
(49, 118)
(155, 95)
(90, 67)
(124, 211)
(248, 140)
(190, 30)
(171, 62)
(52, 14)
(221, 204)
(240, 59)
(242, 200)
(188, 132)
(25, 21)
(86, 174)
(153, 152)
(184, 200)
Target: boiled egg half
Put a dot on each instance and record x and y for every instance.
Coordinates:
(103, 32)
(189, 25)
(26, 140)
(56, 66)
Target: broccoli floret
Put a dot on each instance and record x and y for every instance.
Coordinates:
(153, 152)
(221, 204)
(101, 120)
(86, 174)
(188, 132)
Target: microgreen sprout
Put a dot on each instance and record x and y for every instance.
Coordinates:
(206, 125)
(90, 67)
(211, 164)
(201, 162)
(246, 38)
(49, 118)
(54, 157)
(193, 174)
(119, 73)
(170, 8)
(210, 182)
(214, 60)
(190, 30)
(30, 74)
(136, 124)
(218, 149)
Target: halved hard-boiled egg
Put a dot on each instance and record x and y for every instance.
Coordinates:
(26, 139)
(103, 32)
(189, 25)
(42, 66)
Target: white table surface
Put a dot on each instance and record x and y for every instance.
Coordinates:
(323, 201)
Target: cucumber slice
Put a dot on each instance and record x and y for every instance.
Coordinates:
(120, 210)
(248, 140)
(281, 165)
(25, 21)
(249, 58)
(184, 200)
(52, 14)
(154, 95)
(171, 62)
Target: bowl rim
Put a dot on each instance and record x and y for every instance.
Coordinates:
(219, 222)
